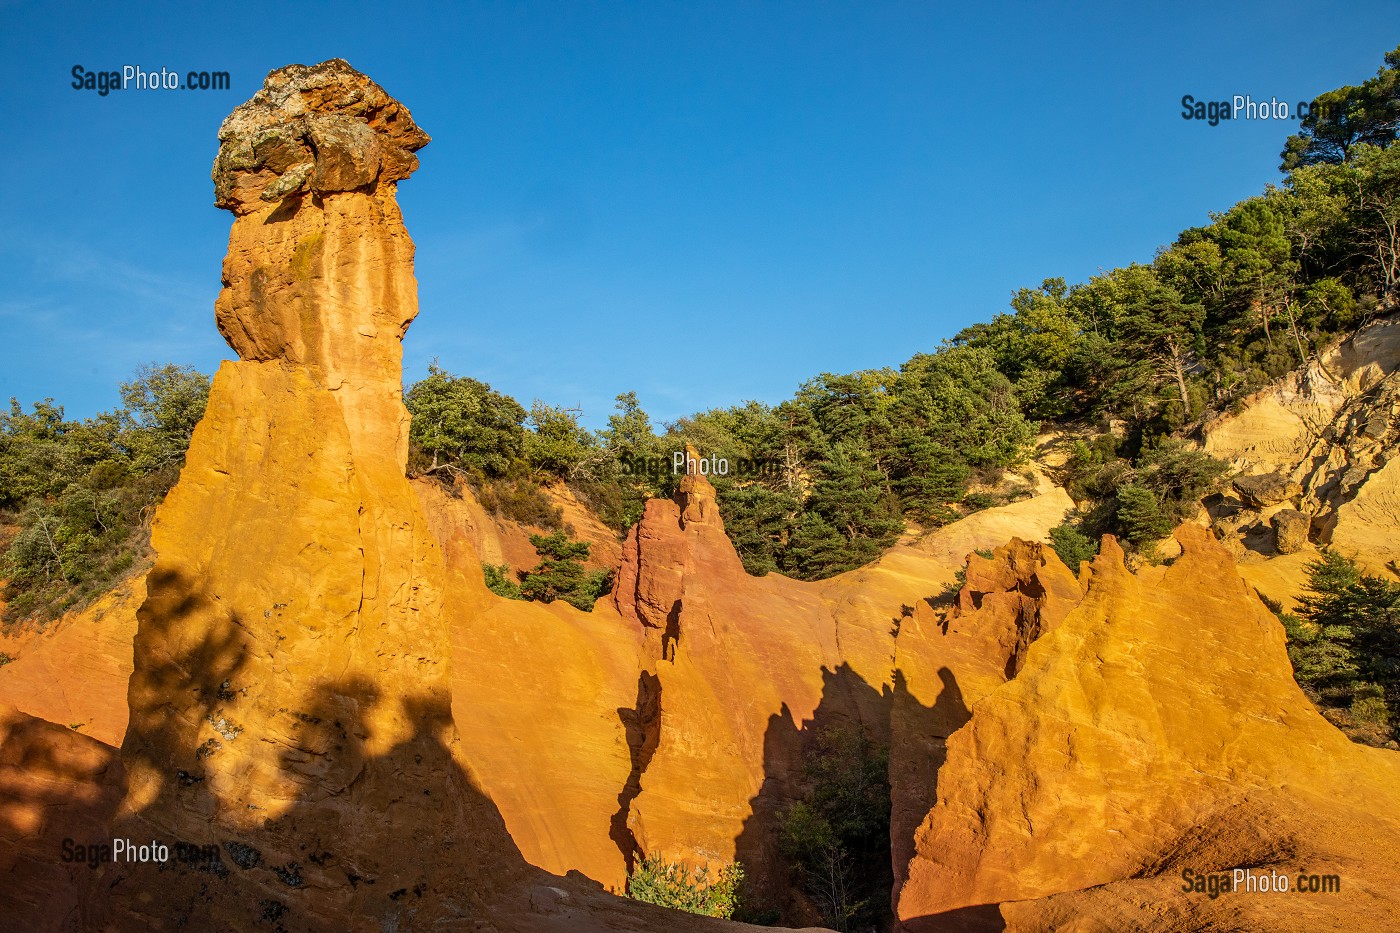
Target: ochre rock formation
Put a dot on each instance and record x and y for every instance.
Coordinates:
(537, 693)
(949, 660)
(738, 674)
(292, 695)
(1155, 727)
(76, 673)
(324, 690)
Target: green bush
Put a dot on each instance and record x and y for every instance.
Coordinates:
(561, 575)
(1368, 705)
(1072, 545)
(499, 582)
(836, 837)
(522, 500)
(694, 890)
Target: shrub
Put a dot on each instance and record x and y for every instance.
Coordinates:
(522, 500)
(499, 582)
(1368, 705)
(695, 890)
(1072, 545)
(837, 835)
(1141, 516)
(976, 501)
(561, 575)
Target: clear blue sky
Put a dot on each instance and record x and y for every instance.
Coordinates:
(702, 202)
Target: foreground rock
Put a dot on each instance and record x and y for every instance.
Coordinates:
(1155, 728)
(55, 785)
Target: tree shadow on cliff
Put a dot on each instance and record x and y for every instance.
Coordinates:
(921, 749)
(862, 771)
(335, 824)
(642, 726)
(815, 848)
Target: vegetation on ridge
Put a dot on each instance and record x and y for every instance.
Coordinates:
(560, 574)
(1133, 359)
(81, 492)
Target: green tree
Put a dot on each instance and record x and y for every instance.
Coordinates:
(1160, 329)
(837, 835)
(34, 457)
(1140, 515)
(1072, 545)
(629, 434)
(1033, 346)
(462, 423)
(1341, 120)
(164, 404)
(81, 490)
(560, 573)
(1376, 218)
(1178, 475)
(557, 444)
(499, 582)
(1351, 633)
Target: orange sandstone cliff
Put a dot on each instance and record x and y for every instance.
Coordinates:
(1153, 727)
(292, 694)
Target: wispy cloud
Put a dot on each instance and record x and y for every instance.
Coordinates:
(53, 260)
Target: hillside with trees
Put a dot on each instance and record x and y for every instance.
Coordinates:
(1131, 362)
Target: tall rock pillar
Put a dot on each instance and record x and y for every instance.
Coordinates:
(291, 722)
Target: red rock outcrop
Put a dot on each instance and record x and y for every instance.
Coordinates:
(738, 674)
(732, 667)
(1155, 727)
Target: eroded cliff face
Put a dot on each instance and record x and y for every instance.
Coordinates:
(1154, 726)
(1318, 450)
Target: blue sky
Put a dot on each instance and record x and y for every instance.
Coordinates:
(703, 202)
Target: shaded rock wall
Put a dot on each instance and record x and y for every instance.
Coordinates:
(54, 785)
